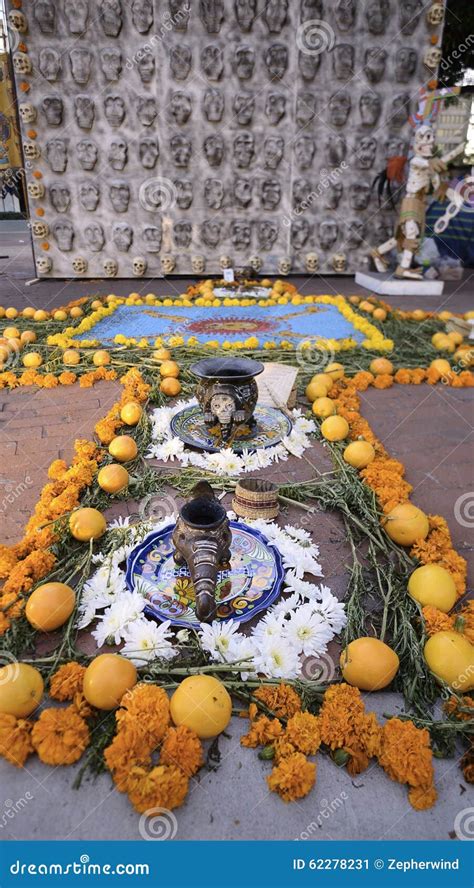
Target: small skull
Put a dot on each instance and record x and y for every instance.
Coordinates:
(40, 229)
(168, 264)
(17, 21)
(43, 265)
(22, 63)
(110, 267)
(27, 112)
(339, 263)
(432, 57)
(435, 14)
(35, 190)
(225, 262)
(79, 265)
(198, 264)
(311, 262)
(139, 266)
(284, 265)
(255, 262)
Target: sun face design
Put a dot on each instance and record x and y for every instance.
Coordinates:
(232, 326)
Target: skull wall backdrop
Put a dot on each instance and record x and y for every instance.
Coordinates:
(170, 136)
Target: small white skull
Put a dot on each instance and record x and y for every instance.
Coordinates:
(27, 112)
(339, 262)
(139, 266)
(110, 267)
(311, 262)
(22, 63)
(435, 15)
(17, 21)
(43, 265)
(284, 265)
(225, 262)
(432, 57)
(198, 264)
(31, 151)
(168, 263)
(79, 265)
(40, 229)
(35, 190)
(424, 140)
(255, 262)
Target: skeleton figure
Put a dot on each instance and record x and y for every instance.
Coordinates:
(94, 237)
(212, 62)
(355, 233)
(114, 109)
(60, 197)
(409, 15)
(365, 153)
(53, 109)
(89, 196)
(311, 262)
(305, 108)
(179, 12)
(374, 65)
(198, 264)
(213, 105)
(240, 234)
(151, 237)
(244, 150)
(359, 195)
(305, 148)
(267, 233)
(243, 108)
(180, 108)
(211, 232)
(343, 61)
(76, 13)
(118, 154)
(376, 14)
(142, 15)
(214, 193)
(214, 150)
(44, 12)
(370, 108)
(79, 265)
(212, 14)
(148, 152)
(333, 196)
(245, 12)
(146, 67)
(110, 17)
(242, 192)
(273, 152)
(275, 107)
(168, 263)
(276, 60)
(284, 265)
(84, 111)
(146, 110)
(328, 233)
(111, 63)
(119, 194)
(300, 231)
(345, 13)
(43, 265)
(49, 63)
(275, 14)
(181, 149)
(336, 150)
(87, 153)
(339, 108)
(182, 234)
(122, 236)
(400, 110)
(184, 193)
(81, 61)
(244, 62)
(405, 64)
(56, 155)
(308, 65)
(63, 233)
(110, 267)
(180, 62)
(27, 112)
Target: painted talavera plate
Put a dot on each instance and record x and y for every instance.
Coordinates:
(252, 583)
(271, 426)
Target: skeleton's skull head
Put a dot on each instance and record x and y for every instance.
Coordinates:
(43, 265)
(139, 266)
(222, 405)
(84, 109)
(114, 108)
(63, 233)
(432, 57)
(40, 229)
(339, 262)
(17, 21)
(255, 262)
(284, 265)
(225, 262)
(22, 63)
(198, 264)
(122, 236)
(435, 14)
(35, 190)
(79, 265)
(311, 262)
(168, 263)
(424, 141)
(27, 112)
(110, 267)
(87, 153)
(53, 110)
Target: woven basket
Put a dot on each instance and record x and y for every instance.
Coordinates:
(256, 498)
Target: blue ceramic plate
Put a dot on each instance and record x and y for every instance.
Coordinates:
(251, 585)
(271, 427)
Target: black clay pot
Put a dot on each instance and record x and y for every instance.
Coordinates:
(227, 391)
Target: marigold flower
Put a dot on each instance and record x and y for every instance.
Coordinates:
(405, 753)
(122, 756)
(263, 731)
(15, 739)
(383, 381)
(282, 748)
(281, 699)
(455, 706)
(67, 681)
(303, 732)
(145, 714)
(293, 777)
(60, 736)
(340, 716)
(436, 620)
(183, 748)
(422, 797)
(165, 786)
(467, 764)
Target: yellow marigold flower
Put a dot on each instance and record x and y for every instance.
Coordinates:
(57, 469)
(281, 699)
(454, 707)
(144, 713)
(15, 739)
(122, 755)
(340, 715)
(421, 798)
(183, 748)
(405, 753)
(263, 730)
(67, 681)
(60, 736)
(165, 786)
(282, 748)
(293, 777)
(436, 620)
(303, 732)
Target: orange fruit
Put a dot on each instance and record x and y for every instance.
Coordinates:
(11, 333)
(445, 315)
(71, 357)
(101, 358)
(381, 365)
(60, 315)
(110, 298)
(335, 428)
(161, 354)
(41, 315)
(201, 703)
(324, 407)
(87, 524)
(130, 413)
(325, 378)
(28, 312)
(455, 337)
(169, 368)
(11, 313)
(335, 370)
(170, 386)
(359, 454)
(433, 585)
(369, 664)
(365, 305)
(450, 657)
(316, 390)
(354, 300)
(76, 312)
(32, 359)
(379, 314)
(107, 678)
(441, 365)
(49, 606)
(123, 448)
(28, 336)
(405, 524)
(21, 689)
(113, 478)
(418, 314)
(96, 304)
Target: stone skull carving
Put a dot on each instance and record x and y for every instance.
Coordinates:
(275, 107)
(242, 191)
(311, 262)
(110, 17)
(273, 152)
(365, 153)
(89, 196)
(27, 112)
(405, 64)
(53, 110)
(110, 267)
(212, 62)
(184, 193)
(182, 234)
(374, 65)
(370, 108)
(308, 65)
(244, 62)
(339, 263)
(267, 233)
(355, 233)
(243, 107)
(276, 60)
(44, 12)
(142, 15)
(305, 108)
(35, 190)
(211, 13)
(275, 14)
(122, 236)
(270, 194)
(345, 13)
(60, 197)
(305, 149)
(146, 67)
(43, 265)
(409, 15)
(256, 263)
(56, 155)
(211, 232)
(87, 153)
(22, 63)
(118, 153)
(333, 196)
(84, 111)
(119, 194)
(432, 57)
(146, 110)
(214, 150)
(300, 231)
(81, 62)
(225, 262)
(79, 265)
(151, 237)
(17, 21)
(111, 63)
(181, 149)
(240, 234)
(94, 237)
(339, 108)
(179, 11)
(284, 265)
(213, 105)
(168, 263)
(245, 12)
(244, 150)
(376, 14)
(114, 109)
(77, 14)
(148, 152)
(180, 108)
(49, 63)
(63, 233)
(198, 264)
(328, 233)
(40, 229)
(400, 110)
(359, 195)
(343, 61)
(180, 61)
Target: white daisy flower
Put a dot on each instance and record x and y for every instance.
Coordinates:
(307, 631)
(218, 640)
(275, 658)
(119, 522)
(125, 609)
(270, 626)
(146, 640)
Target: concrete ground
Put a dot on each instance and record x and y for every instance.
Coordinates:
(428, 428)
